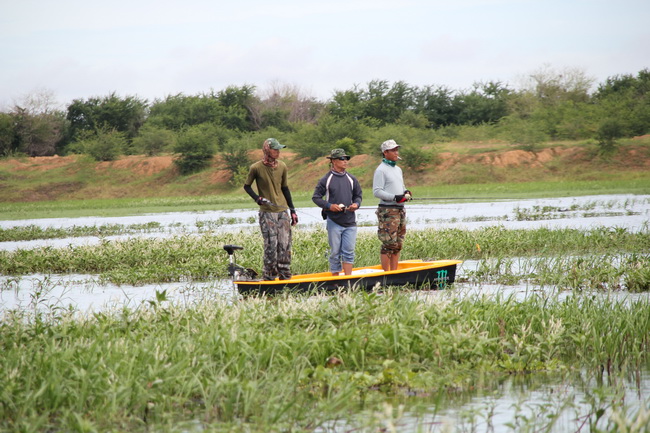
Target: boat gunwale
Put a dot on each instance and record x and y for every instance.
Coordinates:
(409, 266)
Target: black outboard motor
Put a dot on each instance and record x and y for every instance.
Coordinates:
(235, 271)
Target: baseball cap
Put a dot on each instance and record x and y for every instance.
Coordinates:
(338, 153)
(388, 145)
(275, 144)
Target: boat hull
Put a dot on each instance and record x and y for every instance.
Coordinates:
(416, 274)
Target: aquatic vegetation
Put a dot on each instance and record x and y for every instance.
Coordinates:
(292, 362)
(32, 232)
(545, 256)
(297, 362)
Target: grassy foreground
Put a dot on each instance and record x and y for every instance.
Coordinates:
(291, 363)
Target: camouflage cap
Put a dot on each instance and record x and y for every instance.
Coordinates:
(389, 145)
(338, 153)
(275, 144)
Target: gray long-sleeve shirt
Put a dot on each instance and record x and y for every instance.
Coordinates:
(387, 183)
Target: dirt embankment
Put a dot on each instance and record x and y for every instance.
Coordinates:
(75, 177)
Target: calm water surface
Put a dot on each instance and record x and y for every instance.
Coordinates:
(631, 212)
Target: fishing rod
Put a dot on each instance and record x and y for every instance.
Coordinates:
(464, 198)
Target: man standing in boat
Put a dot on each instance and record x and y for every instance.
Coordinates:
(270, 176)
(388, 187)
(339, 194)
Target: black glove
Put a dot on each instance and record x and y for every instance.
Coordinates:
(400, 198)
(294, 217)
(262, 201)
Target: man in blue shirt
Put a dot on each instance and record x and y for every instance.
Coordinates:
(339, 194)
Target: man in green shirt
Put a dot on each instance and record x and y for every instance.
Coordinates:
(274, 198)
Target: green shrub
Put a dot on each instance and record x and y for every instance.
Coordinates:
(235, 156)
(402, 134)
(316, 141)
(608, 132)
(348, 144)
(196, 147)
(239, 176)
(415, 158)
(153, 140)
(104, 145)
(526, 133)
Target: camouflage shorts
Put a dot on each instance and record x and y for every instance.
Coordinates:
(276, 231)
(391, 229)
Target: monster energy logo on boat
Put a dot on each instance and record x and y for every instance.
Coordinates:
(442, 275)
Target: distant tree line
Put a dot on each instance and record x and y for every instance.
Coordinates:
(550, 106)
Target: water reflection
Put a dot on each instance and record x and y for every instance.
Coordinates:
(86, 294)
(555, 402)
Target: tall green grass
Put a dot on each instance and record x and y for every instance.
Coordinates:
(267, 364)
(553, 256)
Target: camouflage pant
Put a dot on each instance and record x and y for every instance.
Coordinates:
(276, 231)
(391, 229)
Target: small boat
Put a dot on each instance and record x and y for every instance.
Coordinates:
(417, 274)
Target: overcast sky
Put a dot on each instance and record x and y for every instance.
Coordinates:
(153, 48)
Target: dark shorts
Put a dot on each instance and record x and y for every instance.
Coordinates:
(391, 229)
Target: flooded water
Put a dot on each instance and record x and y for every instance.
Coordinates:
(548, 402)
(512, 404)
(631, 212)
(88, 293)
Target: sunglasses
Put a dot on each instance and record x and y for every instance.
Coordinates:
(343, 158)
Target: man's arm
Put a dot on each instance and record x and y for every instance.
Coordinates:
(357, 193)
(249, 190)
(378, 183)
(287, 196)
(319, 193)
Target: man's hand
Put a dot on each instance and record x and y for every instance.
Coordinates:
(353, 207)
(337, 207)
(262, 201)
(408, 194)
(401, 198)
(294, 217)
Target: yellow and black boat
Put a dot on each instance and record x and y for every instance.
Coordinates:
(417, 274)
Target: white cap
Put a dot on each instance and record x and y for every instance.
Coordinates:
(388, 145)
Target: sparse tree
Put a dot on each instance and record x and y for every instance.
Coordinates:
(8, 141)
(552, 87)
(38, 125)
(283, 105)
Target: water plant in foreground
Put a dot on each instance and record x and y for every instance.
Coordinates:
(291, 363)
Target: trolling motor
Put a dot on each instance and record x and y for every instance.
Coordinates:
(234, 270)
